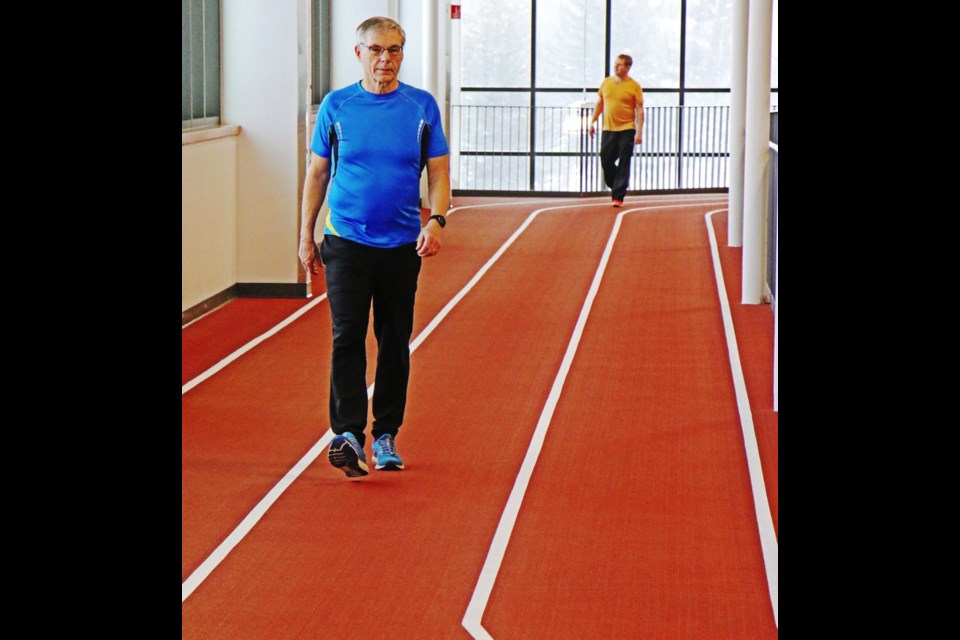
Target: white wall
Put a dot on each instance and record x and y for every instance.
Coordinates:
(345, 16)
(411, 19)
(260, 79)
(208, 219)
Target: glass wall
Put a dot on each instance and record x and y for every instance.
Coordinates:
(530, 70)
(649, 31)
(199, 63)
(496, 38)
(571, 40)
(709, 43)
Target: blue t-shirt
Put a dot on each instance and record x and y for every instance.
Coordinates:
(375, 161)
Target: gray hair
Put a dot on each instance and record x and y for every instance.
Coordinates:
(378, 23)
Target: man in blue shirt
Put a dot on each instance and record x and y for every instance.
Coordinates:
(371, 142)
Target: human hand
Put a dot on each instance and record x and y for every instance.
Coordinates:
(310, 255)
(428, 244)
(593, 130)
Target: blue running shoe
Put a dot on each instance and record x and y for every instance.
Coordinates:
(346, 454)
(385, 454)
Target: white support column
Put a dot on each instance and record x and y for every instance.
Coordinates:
(429, 35)
(454, 140)
(738, 117)
(756, 153)
(441, 15)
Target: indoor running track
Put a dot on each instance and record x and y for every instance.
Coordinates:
(576, 463)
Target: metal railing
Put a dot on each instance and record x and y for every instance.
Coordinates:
(772, 211)
(549, 149)
(773, 244)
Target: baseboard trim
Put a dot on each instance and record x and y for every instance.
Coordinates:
(244, 290)
(272, 290)
(208, 305)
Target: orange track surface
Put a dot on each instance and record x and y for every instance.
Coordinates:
(215, 336)
(246, 426)
(638, 519)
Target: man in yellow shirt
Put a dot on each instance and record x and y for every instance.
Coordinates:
(621, 103)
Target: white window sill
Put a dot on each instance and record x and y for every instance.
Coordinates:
(202, 135)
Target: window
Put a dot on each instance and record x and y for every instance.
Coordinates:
(649, 31)
(570, 40)
(200, 63)
(530, 71)
(709, 45)
(496, 37)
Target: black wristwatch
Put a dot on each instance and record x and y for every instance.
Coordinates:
(440, 220)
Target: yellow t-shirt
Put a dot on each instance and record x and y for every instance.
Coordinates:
(620, 101)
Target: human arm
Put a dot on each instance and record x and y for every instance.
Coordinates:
(314, 191)
(438, 193)
(597, 112)
(637, 139)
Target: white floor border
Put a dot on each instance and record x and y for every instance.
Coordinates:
(768, 536)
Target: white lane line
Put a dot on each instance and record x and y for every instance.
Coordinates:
(250, 520)
(285, 323)
(604, 199)
(196, 578)
(224, 548)
(768, 536)
(250, 345)
(473, 616)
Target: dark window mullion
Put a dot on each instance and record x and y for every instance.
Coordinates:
(196, 59)
(683, 80)
(533, 94)
(606, 58)
(211, 59)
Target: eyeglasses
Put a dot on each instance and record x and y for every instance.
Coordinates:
(377, 51)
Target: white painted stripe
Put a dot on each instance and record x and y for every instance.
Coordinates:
(256, 341)
(486, 267)
(196, 578)
(285, 323)
(239, 533)
(768, 536)
(473, 616)
(605, 199)
(650, 199)
(250, 345)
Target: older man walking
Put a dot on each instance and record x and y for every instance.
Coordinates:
(370, 145)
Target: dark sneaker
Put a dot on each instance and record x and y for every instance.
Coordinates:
(346, 454)
(385, 454)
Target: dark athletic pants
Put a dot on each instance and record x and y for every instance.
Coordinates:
(357, 274)
(616, 149)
